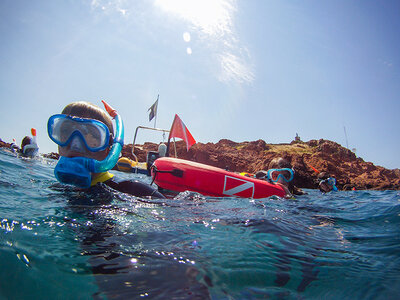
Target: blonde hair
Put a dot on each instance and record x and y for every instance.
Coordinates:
(279, 163)
(83, 109)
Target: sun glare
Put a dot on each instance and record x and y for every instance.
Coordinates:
(213, 17)
(214, 21)
(210, 24)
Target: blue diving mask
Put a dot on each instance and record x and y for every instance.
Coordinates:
(285, 174)
(64, 129)
(332, 181)
(78, 170)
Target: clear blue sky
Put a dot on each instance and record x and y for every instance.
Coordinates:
(241, 70)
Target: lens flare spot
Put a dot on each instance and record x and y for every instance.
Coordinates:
(186, 37)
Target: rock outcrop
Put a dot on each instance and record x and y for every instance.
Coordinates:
(4, 144)
(306, 157)
(321, 155)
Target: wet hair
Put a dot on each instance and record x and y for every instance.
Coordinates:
(279, 163)
(323, 175)
(261, 174)
(25, 141)
(88, 110)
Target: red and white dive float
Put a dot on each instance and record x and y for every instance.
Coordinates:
(182, 175)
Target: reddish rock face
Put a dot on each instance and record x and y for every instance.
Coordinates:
(4, 144)
(322, 155)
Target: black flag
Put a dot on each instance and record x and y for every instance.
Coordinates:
(153, 110)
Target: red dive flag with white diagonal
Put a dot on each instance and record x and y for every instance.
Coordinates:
(238, 187)
(179, 130)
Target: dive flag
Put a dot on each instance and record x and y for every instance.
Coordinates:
(179, 130)
(238, 187)
(153, 110)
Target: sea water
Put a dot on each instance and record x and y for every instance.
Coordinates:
(60, 243)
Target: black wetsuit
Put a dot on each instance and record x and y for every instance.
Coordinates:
(134, 188)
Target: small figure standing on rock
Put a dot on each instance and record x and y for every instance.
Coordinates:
(327, 182)
(281, 172)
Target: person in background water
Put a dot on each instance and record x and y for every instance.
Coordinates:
(281, 172)
(153, 155)
(29, 147)
(327, 183)
(27, 140)
(89, 148)
(14, 147)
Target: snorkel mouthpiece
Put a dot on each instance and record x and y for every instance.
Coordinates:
(73, 170)
(78, 170)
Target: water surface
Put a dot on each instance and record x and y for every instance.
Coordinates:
(59, 243)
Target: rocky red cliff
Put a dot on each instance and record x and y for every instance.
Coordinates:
(322, 155)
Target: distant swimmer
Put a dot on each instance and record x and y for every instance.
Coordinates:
(14, 147)
(281, 172)
(327, 182)
(88, 148)
(29, 147)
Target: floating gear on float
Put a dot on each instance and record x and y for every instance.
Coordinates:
(162, 150)
(125, 164)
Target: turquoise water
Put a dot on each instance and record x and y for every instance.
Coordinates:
(57, 243)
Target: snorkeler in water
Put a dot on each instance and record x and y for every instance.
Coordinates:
(281, 172)
(327, 183)
(88, 148)
(29, 147)
(14, 147)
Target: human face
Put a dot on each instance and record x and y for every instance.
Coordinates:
(72, 150)
(325, 187)
(283, 176)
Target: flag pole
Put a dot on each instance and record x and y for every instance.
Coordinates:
(345, 134)
(169, 136)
